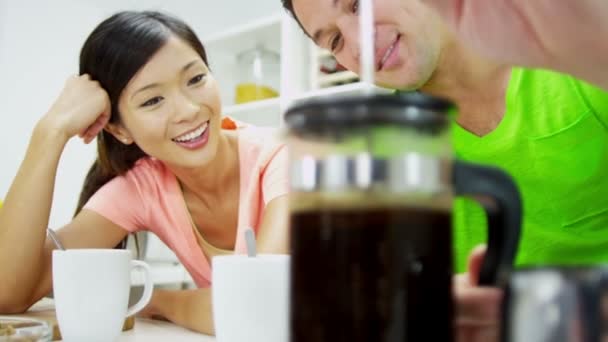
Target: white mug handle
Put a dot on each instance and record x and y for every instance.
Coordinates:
(148, 288)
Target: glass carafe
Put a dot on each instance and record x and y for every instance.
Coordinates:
(372, 185)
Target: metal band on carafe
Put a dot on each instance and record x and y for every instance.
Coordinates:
(410, 172)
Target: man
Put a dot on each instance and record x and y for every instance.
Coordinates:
(549, 131)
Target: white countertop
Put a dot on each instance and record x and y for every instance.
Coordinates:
(146, 330)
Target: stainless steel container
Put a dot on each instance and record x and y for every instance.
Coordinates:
(557, 304)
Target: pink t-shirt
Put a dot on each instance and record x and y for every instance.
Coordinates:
(148, 197)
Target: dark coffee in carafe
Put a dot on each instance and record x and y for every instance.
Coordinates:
(389, 278)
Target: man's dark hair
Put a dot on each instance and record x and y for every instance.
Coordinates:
(288, 6)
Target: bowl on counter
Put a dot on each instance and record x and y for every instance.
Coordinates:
(21, 329)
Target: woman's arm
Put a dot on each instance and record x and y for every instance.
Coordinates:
(82, 108)
(88, 230)
(273, 234)
(188, 308)
(24, 218)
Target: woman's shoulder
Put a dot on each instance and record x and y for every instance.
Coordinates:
(252, 134)
(258, 145)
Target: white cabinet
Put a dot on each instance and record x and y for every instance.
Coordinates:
(299, 70)
(222, 51)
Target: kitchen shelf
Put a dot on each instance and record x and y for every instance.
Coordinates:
(326, 80)
(261, 113)
(265, 31)
(223, 49)
(323, 53)
(162, 274)
(268, 112)
(341, 90)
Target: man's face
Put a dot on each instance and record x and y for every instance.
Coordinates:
(407, 37)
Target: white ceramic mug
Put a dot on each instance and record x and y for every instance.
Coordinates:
(250, 298)
(91, 290)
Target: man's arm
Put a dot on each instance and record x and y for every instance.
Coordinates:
(567, 36)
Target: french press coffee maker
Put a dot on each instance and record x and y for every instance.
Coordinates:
(372, 184)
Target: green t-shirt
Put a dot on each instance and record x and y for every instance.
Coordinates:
(553, 140)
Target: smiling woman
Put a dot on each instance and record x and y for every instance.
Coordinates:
(168, 162)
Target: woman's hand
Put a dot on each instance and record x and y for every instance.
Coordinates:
(153, 309)
(477, 308)
(82, 108)
(568, 36)
(187, 308)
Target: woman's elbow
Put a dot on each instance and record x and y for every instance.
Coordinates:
(10, 305)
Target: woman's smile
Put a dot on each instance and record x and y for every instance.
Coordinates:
(195, 138)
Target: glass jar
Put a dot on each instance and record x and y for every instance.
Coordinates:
(259, 73)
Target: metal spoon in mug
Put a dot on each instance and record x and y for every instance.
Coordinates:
(55, 238)
(250, 242)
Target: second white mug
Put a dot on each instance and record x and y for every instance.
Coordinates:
(251, 298)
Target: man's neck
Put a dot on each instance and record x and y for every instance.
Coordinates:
(462, 74)
(477, 86)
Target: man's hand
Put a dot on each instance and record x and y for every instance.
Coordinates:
(477, 308)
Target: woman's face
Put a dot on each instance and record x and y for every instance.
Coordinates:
(407, 37)
(171, 108)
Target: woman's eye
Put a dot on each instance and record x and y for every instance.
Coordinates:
(335, 42)
(196, 79)
(151, 102)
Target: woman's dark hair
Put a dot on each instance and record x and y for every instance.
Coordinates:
(112, 54)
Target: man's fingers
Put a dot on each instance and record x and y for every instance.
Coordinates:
(476, 305)
(474, 263)
(476, 334)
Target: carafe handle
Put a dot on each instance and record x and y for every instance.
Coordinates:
(496, 191)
